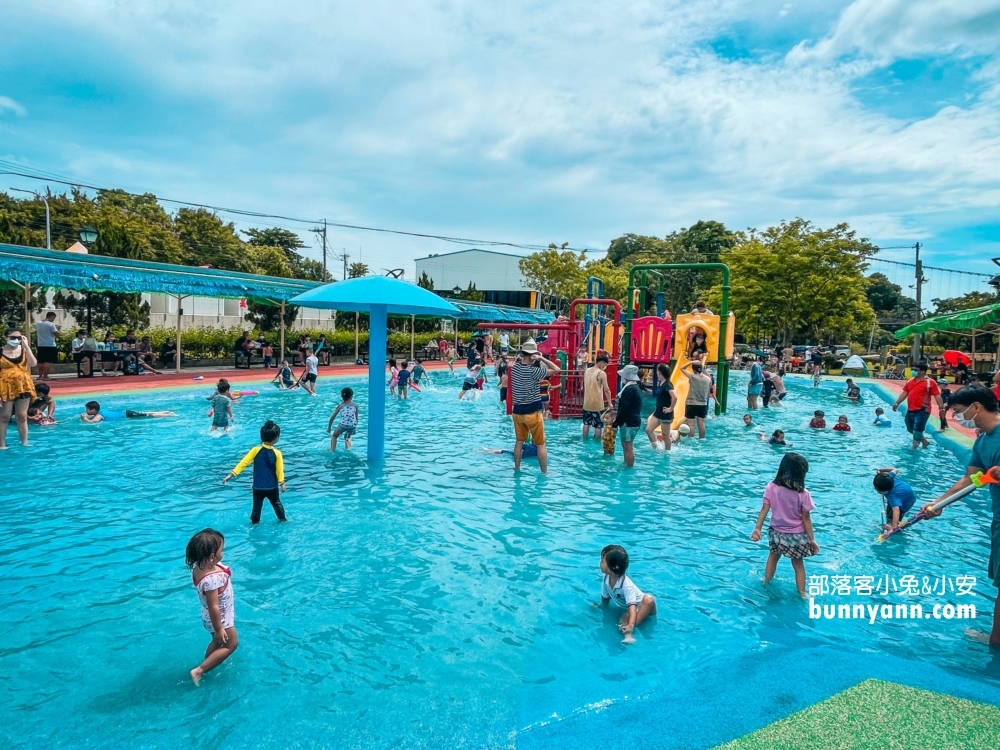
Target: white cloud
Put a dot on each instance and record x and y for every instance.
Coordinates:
(545, 121)
(884, 30)
(6, 103)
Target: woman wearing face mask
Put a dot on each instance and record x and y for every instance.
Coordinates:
(16, 387)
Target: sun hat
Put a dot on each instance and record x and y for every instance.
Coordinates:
(684, 430)
(629, 372)
(529, 347)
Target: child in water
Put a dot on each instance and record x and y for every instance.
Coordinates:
(284, 378)
(842, 425)
(777, 438)
(791, 530)
(747, 420)
(609, 438)
(268, 472)
(93, 414)
(403, 382)
(880, 418)
(618, 588)
(818, 422)
(393, 377)
(349, 416)
(211, 579)
(899, 496)
(222, 408)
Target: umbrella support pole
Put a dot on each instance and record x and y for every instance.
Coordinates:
(377, 324)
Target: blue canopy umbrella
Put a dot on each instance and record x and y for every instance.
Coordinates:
(378, 296)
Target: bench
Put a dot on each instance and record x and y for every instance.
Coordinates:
(246, 355)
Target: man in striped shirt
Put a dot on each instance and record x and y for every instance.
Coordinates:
(525, 396)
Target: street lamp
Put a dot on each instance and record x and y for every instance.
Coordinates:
(48, 216)
(457, 290)
(88, 235)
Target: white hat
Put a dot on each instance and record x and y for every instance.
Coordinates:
(629, 372)
(684, 430)
(529, 347)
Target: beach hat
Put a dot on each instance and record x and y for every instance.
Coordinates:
(529, 347)
(684, 430)
(629, 372)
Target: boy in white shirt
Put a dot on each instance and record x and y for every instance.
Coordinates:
(618, 588)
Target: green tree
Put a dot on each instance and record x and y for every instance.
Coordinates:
(702, 242)
(472, 294)
(965, 302)
(615, 278)
(207, 240)
(804, 281)
(357, 270)
(425, 281)
(887, 299)
(555, 272)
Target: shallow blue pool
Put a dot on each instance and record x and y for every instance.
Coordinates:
(442, 601)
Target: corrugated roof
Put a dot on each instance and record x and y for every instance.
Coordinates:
(55, 269)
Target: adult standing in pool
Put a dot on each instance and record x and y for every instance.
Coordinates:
(595, 394)
(525, 396)
(756, 384)
(976, 408)
(696, 403)
(628, 421)
(16, 387)
(918, 393)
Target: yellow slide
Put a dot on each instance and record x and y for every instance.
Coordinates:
(682, 327)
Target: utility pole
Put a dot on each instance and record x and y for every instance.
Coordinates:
(915, 354)
(322, 233)
(345, 257)
(324, 250)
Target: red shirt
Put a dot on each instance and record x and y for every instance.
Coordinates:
(919, 392)
(841, 427)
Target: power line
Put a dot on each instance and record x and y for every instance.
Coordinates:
(933, 268)
(39, 175)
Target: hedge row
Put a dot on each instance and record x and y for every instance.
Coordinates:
(217, 343)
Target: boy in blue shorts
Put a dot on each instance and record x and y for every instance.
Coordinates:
(93, 414)
(899, 496)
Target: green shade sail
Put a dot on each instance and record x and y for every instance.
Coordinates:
(964, 320)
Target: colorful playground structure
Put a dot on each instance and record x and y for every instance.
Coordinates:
(657, 338)
(641, 339)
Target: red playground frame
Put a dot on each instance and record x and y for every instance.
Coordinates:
(564, 337)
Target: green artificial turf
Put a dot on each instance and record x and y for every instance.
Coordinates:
(882, 715)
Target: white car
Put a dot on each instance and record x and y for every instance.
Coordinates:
(842, 350)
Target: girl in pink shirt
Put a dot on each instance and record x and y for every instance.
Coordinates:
(791, 531)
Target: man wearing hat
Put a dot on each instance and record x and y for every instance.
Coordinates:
(525, 396)
(629, 419)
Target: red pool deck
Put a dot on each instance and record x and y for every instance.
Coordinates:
(72, 385)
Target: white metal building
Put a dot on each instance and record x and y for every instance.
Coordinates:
(495, 274)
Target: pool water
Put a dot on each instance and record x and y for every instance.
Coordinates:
(442, 601)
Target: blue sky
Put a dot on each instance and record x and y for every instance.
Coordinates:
(527, 121)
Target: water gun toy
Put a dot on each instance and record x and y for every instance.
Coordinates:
(979, 480)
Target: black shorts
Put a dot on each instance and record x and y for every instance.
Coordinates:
(47, 355)
(467, 386)
(503, 393)
(311, 377)
(695, 411)
(592, 419)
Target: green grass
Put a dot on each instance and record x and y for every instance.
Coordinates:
(882, 715)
